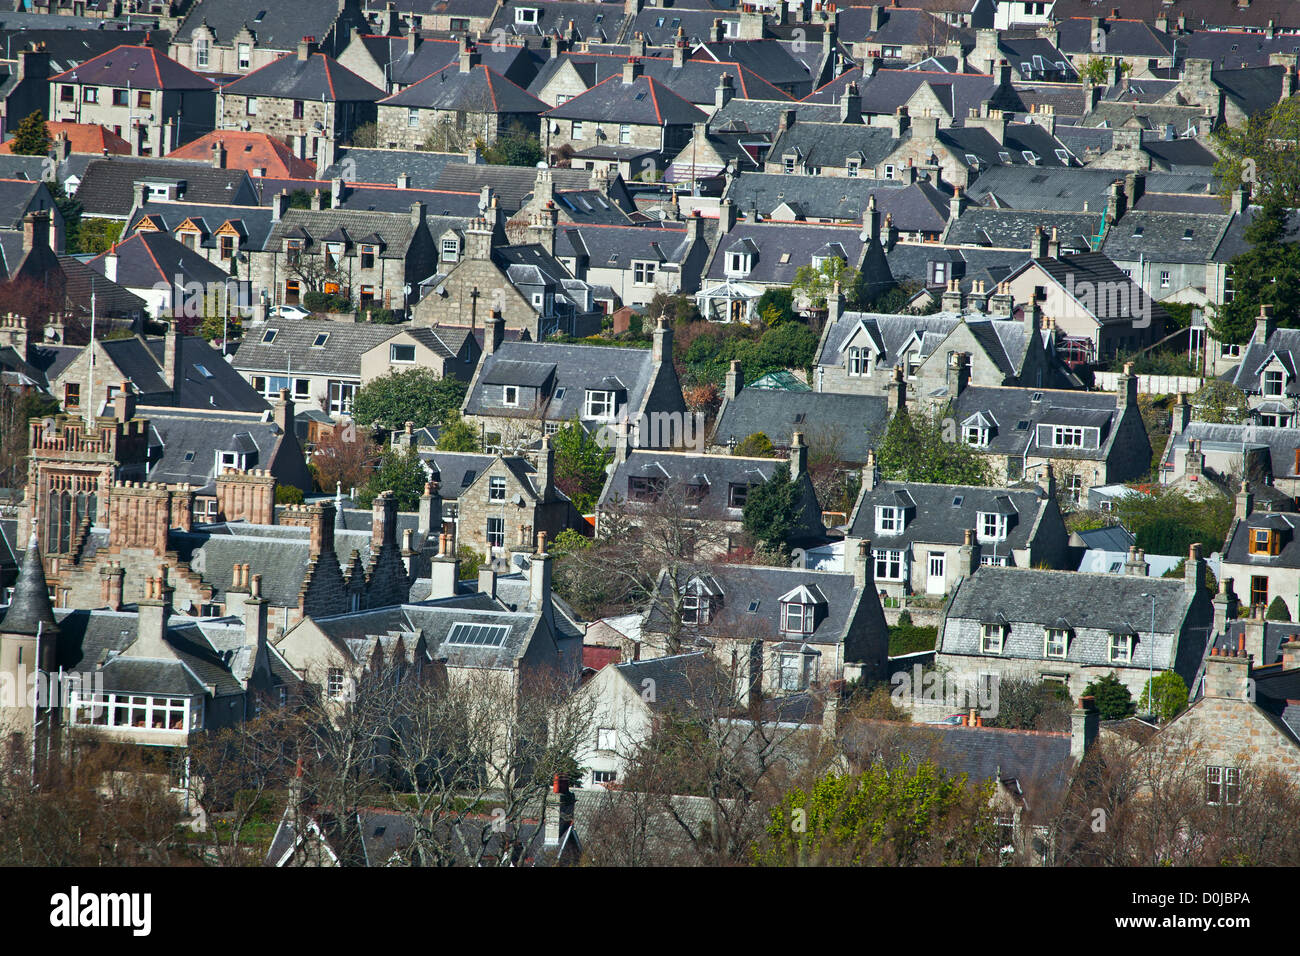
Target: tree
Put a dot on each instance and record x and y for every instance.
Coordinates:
(17, 405)
(31, 138)
(415, 395)
(580, 463)
(1277, 610)
(1114, 702)
(1094, 70)
(1260, 155)
(403, 474)
(891, 814)
(772, 508)
(816, 283)
(459, 435)
(1164, 695)
(775, 306)
(1268, 273)
(96, 235)
(1028, 704)
(345, 458)
(288, 495)
(756, 445)
(1168, 521)
(920, 446)
(514, 147)
(365, 136)
(1220, 403)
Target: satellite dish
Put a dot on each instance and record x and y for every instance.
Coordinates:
(541, 163)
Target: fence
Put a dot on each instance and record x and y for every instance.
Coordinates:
(1151, 384)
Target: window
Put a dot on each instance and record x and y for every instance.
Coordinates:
(643, 489)
(603, 776)
(292, 291)
(450, 249)
(859, 362)
(975, 435)
(643, 273)
(1262, 541)
(737, 495)
(797, 671)
(320, 340)
(889, 520)
(333, 257)
(600, 404)
(67, 94)
(1273, 382)
(496, 488)
(401, 353)
(1056, 642)
(853, 167)
(201, 53)
(1228, 350)
(334, 683)
(526, 15)
(297, 109)
(90, 94)
(144, 99)
(789, 165)
(992, 637)
(1067, 436)
(606, 738)
(412, 117)
(696, 609)
(578, 131)
(738, 263)
(250, 106)
(993, 527)
(889, 170)
(625, 134)
(510, 395)
(1164, 279)
(1074, 486)
(797, 618)
(1121, 648)
(496, 532)
(227, 247)
(120, 98)
(1258, 590)
(122, 710)
(244, 57)
(889, 565)
(366, 295)
(71, 395)
(1223, 786)
(341, 395)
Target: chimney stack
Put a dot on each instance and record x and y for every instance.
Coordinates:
(1085, 724)
(798, 455)
(151, 619)
(863, 573)
(539, 580)
(735, 380)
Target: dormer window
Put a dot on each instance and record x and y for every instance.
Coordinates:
(293, 249)
(599, 404)
(1273, 381)
(889, 520)
(1056, 641)
(1121, 649)
(938, 273)
(1265, 541)
(697, 608)
(1067, 436)
(737, 495)
(992, 638)
(853, 168)
(450, 249)
(230, 459)
(643, 489)
(859, 362)
(739, 263)
(977, 435)
(526, 15)
(368, 256)
(798, 617)
(510, 395)
(334, 255)
(789, 164)
(993, 526)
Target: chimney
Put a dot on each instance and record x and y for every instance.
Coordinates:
(36, 230)
(851, 104)
(1182, 414)
(871, 221)
(901, 122)
(834, 304)
(112, 575)
(1040, 243)
(1116, 202)
(1194, 464)
(1253, 630)
(444, 570)
(662, 349)
(487, 581)
(546, 470)
(1033, 318)
(1135, 185)
(430, 508)
(968, 555)
(1054, 245)
(559, 817)
(494, 332)
(1291, 653)
(124, 402)
(417, 214)
(679, 49)
(315, 200)
(1194, 570)
(1227, 675)
(870, 473)
(897, 392)
(1085, 724)
(323, 517)
(255, 616)
(383, 522)
(1135, 564)
(469, 57)
(1264, 324)
(1244, 503)
(798, 455)
(171, 357)
(306, 47)
(952, 299)
(958, 374)
(631, 70)
(539, 580)
(283, 413)
(219, 155)
(726, 216)
(726, 89)
(1001, 303)
(863, 573)
(151, 619)
(957, 204)
(735, 380)
(279, 205)
(1127, 388)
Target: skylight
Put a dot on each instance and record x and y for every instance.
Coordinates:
(320, 340)
(203, 371)
(956, 502)
(478, 635)
(269, 336)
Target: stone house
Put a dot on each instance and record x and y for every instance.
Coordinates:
(1264, 455)
(1267, 372)
(368, 257)
(446, 350)
(456, 107)
(1071, 627)
(1260, 554)
(1088, 438)
(926, 538)
(846, 150)
(227, 236)
(636, 262)
(234, 37)
(303, 98)
(713, 486)
(172, 279)
(148, 99)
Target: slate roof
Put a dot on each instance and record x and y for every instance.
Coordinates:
(1009, 406)
(894, 335)
(552, 366)
(783, 247)
(1236, 549)
(1028, 187)
(889, 89)
(1029, 600)
(395, 230)
(29, 610)
(1135, 38)
(515, 62)
(834, 144)
(142, 67)
(177, 434)
(318, 77)
(1164, 236)
(614, 247)
(763, 116)
(456, 471)
(1180, 155)
(1276, 633)
(292, 346)
(385, 165)
(481, 90)
(1014, 228)
(276, 27)
(855, 420)
(691, 683)
(253, 222)
(941, 514)
(148, 258)
(1020, 139)
(1097, 268)
(108, 186)
(592, 21)
(644, 102)
(696, 80)
(917, 207)
(511, 185)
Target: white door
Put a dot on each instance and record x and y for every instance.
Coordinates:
(938, 567)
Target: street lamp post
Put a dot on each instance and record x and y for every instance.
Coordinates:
(1151, 690)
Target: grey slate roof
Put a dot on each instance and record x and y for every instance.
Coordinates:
(892, 334)
(254, 222)
(481, 90)
(276, 27)
(691, 683)
(834, 144)
(1100, 272)
(318, 77)
(855, 420)
(1165, 236)
(1236, 549)
(108, 186)
(763, 116)
(614, 247)
(1027, 187)
(180, 434)
(148, 258)
(936, 517)
(29, 610)
(795, 243)
(385, 165)
(1008, 407)
(292, 347)
(142, 67)
(645, 102)
(918, 207)
(395, 230)
(510, 184)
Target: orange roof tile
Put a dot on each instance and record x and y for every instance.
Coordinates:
(83, 138)
(249, 152)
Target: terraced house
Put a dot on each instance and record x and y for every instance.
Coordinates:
(232, 37)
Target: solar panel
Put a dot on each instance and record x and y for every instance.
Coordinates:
(478, 635)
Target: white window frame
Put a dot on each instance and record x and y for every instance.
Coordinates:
(392, 354)
(1067, 436)
(890, 564)
(993, 638)
(889, 520)
(578, 131)
(797, 618)
(1120, 649)
(335, 683)
(1273, 382)
(526, 15)
(696, 608)
(624, 134)
(496, 488)
(859, 362)
(606, 739)
(993, 526)
(510, 396)
(244, 57)
(202, 53)
(643, 273)
(600, 404)
(975, 435)
(495, 538)
(1053, 638)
